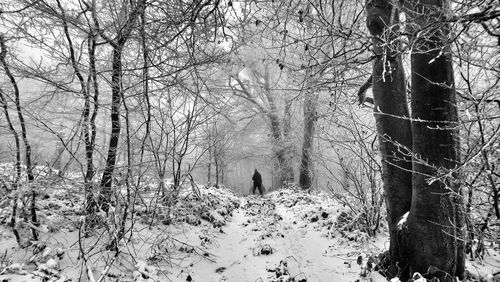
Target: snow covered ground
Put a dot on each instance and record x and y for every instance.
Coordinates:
(268, 240)
(207, 235)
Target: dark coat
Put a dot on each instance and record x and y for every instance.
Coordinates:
(257, 179)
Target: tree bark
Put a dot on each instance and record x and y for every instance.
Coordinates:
(12, 222)
(145, 87)
(13, 81)
(209, 169)
(90, 133)
(89, 125)
(310, 117)
(393, 125)
(116, 94)
(3, 101)
(211, 147)
(435, 222)
(282, 150)
(216, 171)
(106, 181)
(24, 135)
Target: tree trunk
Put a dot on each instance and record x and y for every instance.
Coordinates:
(278, 130)
(145, 86)
(57, 161)
(285, 169)
(106, 181)
(310, 117)
(222, 174)
(209, 165)
(209, 172)
(24, 135)
(90, 133)
(85, 90)
(12, 222)
(393, 126)
(288, 145)
(118, 44)
(216, 171)
(3, 101)
(435, 221)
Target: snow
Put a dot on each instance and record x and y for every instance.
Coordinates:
(403, 220)
(262, 236)
(206, 235)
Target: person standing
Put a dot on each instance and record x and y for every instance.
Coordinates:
(257, 182)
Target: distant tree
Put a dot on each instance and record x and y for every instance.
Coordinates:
(255, 86)
(314, 48)
(77, 45)
(219, 137)
(310, 117)
(359, 175)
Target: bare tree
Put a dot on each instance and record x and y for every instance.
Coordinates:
(255, 87)
(27, 146)
(117, 42)
(12, 222)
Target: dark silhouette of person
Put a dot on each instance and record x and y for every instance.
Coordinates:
(257, 182)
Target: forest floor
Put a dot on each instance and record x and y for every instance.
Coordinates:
(206, 235)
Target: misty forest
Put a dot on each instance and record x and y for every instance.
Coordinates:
(250, 140)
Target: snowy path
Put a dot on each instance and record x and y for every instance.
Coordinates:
(252, 244)
(308, 253)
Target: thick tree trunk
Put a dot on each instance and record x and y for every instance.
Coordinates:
(310, 117)
(436, 219)
(287, 174)
(278, 130)
(393, 126)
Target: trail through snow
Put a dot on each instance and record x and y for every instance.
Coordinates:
(261, 224)
(285, 236)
